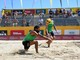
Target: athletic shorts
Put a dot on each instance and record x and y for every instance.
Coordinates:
(51, 33)
(26, 44)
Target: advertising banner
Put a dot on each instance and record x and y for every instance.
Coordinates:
(41, 10)
(71, 32)
(30, 11)
(57, 33)
(17, 32)
(18, 11)
(3, 32)
(54, 10)
(41, 32)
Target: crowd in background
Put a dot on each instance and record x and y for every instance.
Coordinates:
(64, 13)
(12, 19)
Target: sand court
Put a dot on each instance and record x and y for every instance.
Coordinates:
(59, 50)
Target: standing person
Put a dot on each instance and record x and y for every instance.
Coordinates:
(15, 22)
(7, 22)
(41, 21)
(30, 39)
(0, 21)
(51, 13)
(49, 30)
(24, 22)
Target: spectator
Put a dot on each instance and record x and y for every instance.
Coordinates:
(41, 15)
(4, 16)
(0, 15)
(23, 22)
(0, 18)
(51, 13)
(0, 21)
(64, 12)
(8, 13)
(60, 11)
(31, 21)
(15, 22)
(41, 21)
(69, 13)
(74, 15)
(78, 12)
(28, 24)
(24, 15)
(15, 14)
(56, 12)
(7, 21)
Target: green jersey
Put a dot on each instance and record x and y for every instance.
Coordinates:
(50, 25)
(29, 37)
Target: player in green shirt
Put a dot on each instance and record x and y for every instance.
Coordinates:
(49, 30)
(29, 39)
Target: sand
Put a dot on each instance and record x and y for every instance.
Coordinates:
(59, 50)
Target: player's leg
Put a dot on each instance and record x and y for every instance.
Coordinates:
(48, 35)
(26, 45)
(49, 42)
(36, 45)
(51, 35)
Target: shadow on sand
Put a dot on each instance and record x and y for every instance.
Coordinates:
(21, 52)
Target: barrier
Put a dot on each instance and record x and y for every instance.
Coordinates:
(58, 37)
(18, 33)
(27, 29)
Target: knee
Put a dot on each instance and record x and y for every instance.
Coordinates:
(36, 42)
(50, 41)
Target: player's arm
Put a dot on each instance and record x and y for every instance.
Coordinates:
(46, 31)
(37, 34)
(55, 27)
(46, 38)
(34, 33)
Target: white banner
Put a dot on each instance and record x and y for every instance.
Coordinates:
(57, 33)
(71, 32)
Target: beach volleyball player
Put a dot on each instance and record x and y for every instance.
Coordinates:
(29, 39)
(49, 30)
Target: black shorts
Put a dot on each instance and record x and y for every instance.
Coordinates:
(26, 44)
(51, 33)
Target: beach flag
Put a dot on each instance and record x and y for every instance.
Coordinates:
(68, 2)
(21, 3)
(77, 3)
(61, 3)
(5, 4)
(33, 3)
(51, 3)
(41, 3)
(12, 3)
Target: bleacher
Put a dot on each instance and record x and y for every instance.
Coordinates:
(66, 22)
(34, 21)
